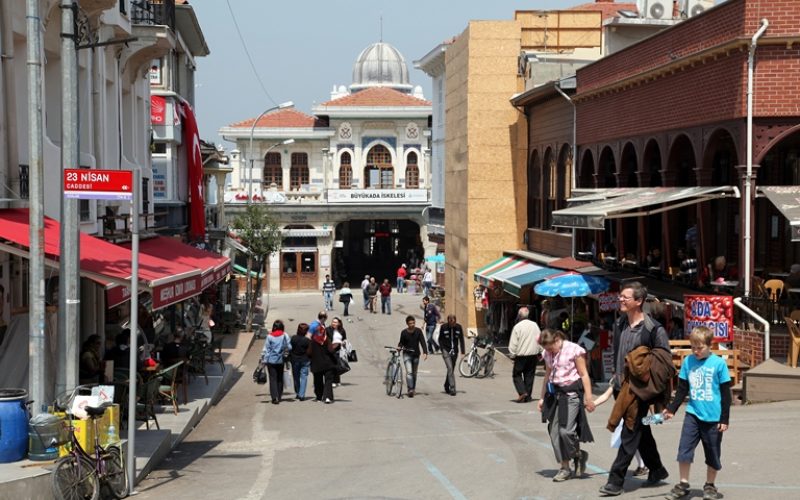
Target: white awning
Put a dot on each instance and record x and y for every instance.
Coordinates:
(306, 233)
(787, 200)
(634, 202)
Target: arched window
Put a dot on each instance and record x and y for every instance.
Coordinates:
(298, 173)
(345, 171)
(412, 171)
(379, 172)
(273, 172)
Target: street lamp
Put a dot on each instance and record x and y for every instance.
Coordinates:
(287, 104)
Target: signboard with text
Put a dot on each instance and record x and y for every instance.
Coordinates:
(377, 195)
(712, 311)
(88, 184)
(609, 301)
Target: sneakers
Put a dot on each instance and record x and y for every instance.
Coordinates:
(656, 476)
(611, 490)
(680, 490)
(710, 492)
(562, 475)
(580, 462)
(328, 401)
(411, 393)
(641, 471)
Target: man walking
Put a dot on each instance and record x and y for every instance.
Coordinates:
(451, 335)
(364, 285)
(372, 295)
(411, 340)
(427, 282)
(432, 317)
(386, 297)
(328, 289)
(633, 329)
(524, 348)
(401, 278)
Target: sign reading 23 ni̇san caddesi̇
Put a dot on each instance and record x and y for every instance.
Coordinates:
(86, 184)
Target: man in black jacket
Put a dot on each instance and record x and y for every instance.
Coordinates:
(451, 335)
(412, 339)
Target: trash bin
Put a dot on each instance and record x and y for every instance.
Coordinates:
(46, 432)
(13, 424)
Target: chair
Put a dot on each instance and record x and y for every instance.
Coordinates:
(794, 346)
(774, 290)
(169, 380)
(147, 398)
(214, 353)
(795, 315)
(689, 270)
(197, 359)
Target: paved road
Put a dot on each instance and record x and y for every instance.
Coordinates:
(478, 445)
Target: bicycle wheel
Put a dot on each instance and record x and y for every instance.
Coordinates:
(389, 379)
(74, 478)
(115, 479)
(397, 380)
(469, 365)
(487, 365)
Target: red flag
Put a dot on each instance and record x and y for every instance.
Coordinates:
(191, 143)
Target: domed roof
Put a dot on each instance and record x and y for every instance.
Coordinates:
(380, 65)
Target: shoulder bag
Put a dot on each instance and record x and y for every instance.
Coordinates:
(260, 374)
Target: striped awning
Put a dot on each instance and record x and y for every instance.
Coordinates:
(513, 284)
(484, 274)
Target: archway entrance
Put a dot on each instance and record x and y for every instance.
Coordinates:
(375, 247)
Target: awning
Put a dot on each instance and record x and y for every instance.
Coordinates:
(787, 200)
(485, 274)
(103, 262)
(236, 245)
(213, 267)
(636, 202)
(306, 233)
(513, 283)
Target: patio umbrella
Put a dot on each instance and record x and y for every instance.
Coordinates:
(571, 285)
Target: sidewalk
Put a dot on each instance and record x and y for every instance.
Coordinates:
(28, 479)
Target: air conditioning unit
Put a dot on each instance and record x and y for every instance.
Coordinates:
(696, 7)
(655, 9)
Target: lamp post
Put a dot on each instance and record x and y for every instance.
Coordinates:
(287, 104)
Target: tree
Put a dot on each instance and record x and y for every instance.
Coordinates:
(260, 233)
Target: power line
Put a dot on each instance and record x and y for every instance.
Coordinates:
(247, 53)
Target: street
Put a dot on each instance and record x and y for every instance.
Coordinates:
(477, 445)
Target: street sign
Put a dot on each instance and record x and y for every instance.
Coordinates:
(86, 184)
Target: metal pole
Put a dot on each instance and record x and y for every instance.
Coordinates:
(69, 263)
(134, 326)
(36, 310)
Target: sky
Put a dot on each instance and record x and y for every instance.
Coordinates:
(301, 48)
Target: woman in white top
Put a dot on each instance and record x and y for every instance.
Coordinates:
(337, 335)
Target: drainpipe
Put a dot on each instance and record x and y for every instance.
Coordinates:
(574, 150)
(748, 180)
(9, 97)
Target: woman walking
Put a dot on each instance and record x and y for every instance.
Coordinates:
(300, 361)
(337, 336)
(346, 297)
(565, 395)
(323, 365)
(276, 348)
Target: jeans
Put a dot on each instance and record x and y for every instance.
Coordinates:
(432, 345)
(411, 363)
(275, 375)
(300, 374)
(450, 364)
(523, 373)
(400, 284)
(346, 308)
(426, 288)
(386, 304)
(366, 298)
(328, 300)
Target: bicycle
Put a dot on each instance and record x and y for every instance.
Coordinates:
(80, 475)
(475, 364)
(394, 372)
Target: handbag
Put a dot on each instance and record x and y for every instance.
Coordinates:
(260, 374)
(342, 366)
(352, 356)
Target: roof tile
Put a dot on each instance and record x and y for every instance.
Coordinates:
(378, 97)
(282, 118)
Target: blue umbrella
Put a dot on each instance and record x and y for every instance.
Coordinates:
(572, 285)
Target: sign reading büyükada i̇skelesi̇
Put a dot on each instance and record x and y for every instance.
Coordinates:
(377, 195)
(90, 184)
(712, 311)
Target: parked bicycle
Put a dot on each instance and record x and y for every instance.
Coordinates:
(394, 372)
(80, 475)
(475, 364)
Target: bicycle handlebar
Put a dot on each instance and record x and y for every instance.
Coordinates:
(397, 348)
(57, 406)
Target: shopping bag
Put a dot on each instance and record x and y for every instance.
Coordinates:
(616, 436)
(260, 374)
(342, 366)
(352, 356)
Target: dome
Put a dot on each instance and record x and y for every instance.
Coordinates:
(380, 65)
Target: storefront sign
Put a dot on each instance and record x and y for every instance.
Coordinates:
(117, 295)
(155, 74)
(158, 110)
(712, 311)
(172, 293)
(88, 184)
(377, 195)
(609, 301)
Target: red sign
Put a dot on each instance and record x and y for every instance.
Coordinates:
(712, 311)
(158, 110)
(89, 184)
(609, 301)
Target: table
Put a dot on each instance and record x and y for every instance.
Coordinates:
(779, 275)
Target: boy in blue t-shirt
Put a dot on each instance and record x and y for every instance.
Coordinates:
(704, 378)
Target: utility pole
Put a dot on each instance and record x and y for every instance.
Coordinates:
(36, 347)
(69, 264)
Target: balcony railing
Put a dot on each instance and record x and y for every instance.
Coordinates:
(153, 12)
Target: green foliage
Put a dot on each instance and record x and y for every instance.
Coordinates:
(258, 230)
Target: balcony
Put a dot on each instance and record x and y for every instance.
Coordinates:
(153, 12)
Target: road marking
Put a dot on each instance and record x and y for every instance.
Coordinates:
(497, 458)
(435, 472)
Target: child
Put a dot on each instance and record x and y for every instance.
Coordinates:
(641, 470)
(704, 378)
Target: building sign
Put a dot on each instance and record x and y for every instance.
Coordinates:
(377, 195)
(609, 301)
(160, 191)
(86, 184)
(712, 311)
(158, 110)
(177, 291)
(156, 73)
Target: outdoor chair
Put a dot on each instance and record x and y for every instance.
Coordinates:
(795, 315)
(689, 271)
(794, 342)
(197, 359)
(167, 388)
(147, 398)
(774, 290)
(214, 352)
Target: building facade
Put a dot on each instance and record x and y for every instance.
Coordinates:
(349, 184)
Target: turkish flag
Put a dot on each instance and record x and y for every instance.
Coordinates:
(191, 143)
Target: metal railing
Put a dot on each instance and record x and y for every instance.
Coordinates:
(153, 12)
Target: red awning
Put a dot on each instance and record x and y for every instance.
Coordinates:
(214, 267)
(108, 264)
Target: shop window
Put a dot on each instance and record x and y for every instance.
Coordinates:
(298, 174)
(309, 262)
(289, 263)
